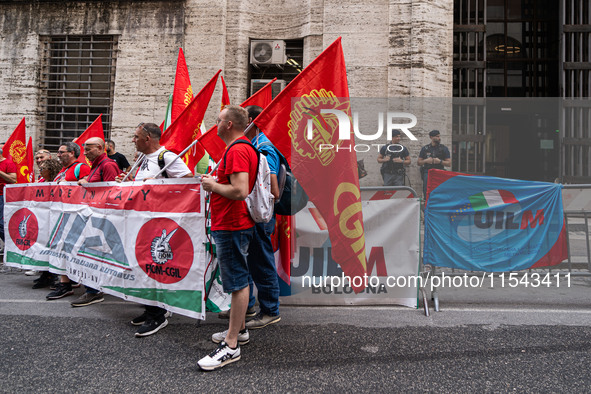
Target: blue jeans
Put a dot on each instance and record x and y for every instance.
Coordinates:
(232, 249)
(261, 264)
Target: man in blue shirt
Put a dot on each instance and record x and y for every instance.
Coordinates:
(261, 258)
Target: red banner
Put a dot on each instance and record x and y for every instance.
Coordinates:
(137, 198)
(329, 177)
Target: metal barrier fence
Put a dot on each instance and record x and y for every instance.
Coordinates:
(387, 192)
(577, 211)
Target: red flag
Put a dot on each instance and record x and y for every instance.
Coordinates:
(94, 130)
(182, 93)
(329, 178)
(262, 97)
(214, 144)
(15, 149)
(187, 127)
(282, 239)
(28, 170)
(225, 95)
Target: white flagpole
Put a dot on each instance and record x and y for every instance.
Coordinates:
(140, 158)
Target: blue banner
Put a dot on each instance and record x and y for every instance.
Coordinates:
(493, 224)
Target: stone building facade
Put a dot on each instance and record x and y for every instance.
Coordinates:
(395, 48)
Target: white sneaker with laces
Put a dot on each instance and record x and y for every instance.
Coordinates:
(220, 357)
(243, 337)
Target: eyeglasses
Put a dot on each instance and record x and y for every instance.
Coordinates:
(61, 152)
(141, 126)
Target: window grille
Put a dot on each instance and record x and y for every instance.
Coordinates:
(77, 80)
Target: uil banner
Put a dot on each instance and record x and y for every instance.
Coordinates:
(493, 224)
(141, 241)
(392, 246)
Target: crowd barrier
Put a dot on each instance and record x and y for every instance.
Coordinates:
(577, 210)
(392, 242)
(117, 238)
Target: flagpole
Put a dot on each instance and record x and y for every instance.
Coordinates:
(249, 127)
(176, 157)
(140, 158)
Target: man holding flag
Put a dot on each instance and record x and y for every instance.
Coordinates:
(232, 228)
(147, 141)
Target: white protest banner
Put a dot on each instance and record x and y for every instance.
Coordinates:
(141, 241)
(392, 250)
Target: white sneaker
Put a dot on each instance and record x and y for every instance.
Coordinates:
(243, 337)
(219, 357)
(31, 273)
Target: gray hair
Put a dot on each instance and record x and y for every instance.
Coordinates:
(72, 147)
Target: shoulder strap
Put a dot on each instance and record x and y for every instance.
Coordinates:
(161, 163)
(77, 170)
(243, 142)
(282, 160)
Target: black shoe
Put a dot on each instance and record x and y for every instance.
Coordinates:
(150, 327)
(62, 290)
(141, 319)
(44, 281)
(88, 299)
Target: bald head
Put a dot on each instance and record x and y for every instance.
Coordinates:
(93, 148)
(95, 140)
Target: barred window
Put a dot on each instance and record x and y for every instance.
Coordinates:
(77, 81)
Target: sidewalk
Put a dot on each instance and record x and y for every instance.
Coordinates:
(459, 305)
(484, 340)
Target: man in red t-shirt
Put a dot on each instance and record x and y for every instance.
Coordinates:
(7, 176)
(232, 229)
(103, 169)
(73, 170)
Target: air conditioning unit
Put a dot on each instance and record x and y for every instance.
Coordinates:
(257, 84)
(267, 52)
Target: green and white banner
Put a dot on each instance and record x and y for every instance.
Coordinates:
(141, 241)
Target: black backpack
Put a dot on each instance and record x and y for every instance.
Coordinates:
(292, 197)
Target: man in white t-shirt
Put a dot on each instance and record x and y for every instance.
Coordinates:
(147, 141)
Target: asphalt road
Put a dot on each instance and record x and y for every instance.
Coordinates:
(483, 340)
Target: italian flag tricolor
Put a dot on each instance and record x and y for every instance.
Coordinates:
(491, 198)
